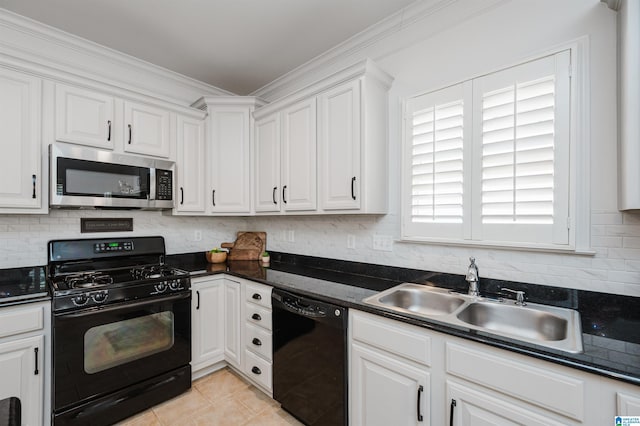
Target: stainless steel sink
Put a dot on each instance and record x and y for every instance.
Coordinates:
(531, 324)
(419, 299)
(549, 326)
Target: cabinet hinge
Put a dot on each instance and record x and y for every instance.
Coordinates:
(569, 224)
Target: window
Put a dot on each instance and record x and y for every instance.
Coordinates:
(487, 160)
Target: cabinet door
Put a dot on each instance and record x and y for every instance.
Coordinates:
(20, 138)
(386, 391)
(229, 160)
(471, 407)
(299, 156)
(267, 145)
(190, 165)
(84, 117)
(207, 323)
(21, 369)
(232, 338)
(146, 129)
(339, 120)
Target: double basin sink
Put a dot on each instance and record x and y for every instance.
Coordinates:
(548, 326)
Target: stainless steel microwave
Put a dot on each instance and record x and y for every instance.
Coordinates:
(93, 178)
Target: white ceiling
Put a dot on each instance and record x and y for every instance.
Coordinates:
(236, 45)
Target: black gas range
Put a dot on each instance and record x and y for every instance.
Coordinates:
(121, 328)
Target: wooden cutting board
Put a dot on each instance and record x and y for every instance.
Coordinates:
(248, 246)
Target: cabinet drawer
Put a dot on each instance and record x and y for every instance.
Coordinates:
(258, 369)
(523, 380)
(258, 315)
(20, 319)
(258, 340)
(258, 294)
(392, 336)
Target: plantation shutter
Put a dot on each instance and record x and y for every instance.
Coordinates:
(434, 163)
(521, 139)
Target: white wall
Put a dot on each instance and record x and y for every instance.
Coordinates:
(23, 238)
(440, 49)
(498, 35)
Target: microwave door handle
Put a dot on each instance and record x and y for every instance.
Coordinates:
(152, 183)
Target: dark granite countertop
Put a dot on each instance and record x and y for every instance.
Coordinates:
(20, 285)
(610, 323)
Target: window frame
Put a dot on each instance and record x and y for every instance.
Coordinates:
(578, 197)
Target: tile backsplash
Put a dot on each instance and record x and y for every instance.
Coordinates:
(615, 238)
(23, 238)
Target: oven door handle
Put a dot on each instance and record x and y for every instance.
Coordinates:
(114, 307)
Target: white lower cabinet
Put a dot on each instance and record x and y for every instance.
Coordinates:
(476, 407)
(468, 383)
(232, 322)
(389, 376)
(23, 359)
(386, 390)
(207, 321)
(257, 334)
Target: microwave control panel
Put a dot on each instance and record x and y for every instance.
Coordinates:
(164, 184)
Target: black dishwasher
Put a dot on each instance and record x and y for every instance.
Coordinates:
(309, 358)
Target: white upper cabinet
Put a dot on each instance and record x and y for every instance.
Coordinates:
(146, 129)
(20, 142)
(84, 117)
(285, 148)
(190, 168)
(229, 133)
(332, 138)
(299, 156)
(340, 144)
(267, 148)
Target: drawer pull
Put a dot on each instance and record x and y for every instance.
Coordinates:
(109, 130)
(198, 302)
(129, 125)
(35, 351)
(453, 407)
(256, 341)
(256, 317)
(420, 416)
(256, 370)
(256, 296)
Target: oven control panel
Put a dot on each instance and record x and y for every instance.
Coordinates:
(111, 246)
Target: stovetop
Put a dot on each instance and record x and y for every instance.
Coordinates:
(91, 272)
(89, 280)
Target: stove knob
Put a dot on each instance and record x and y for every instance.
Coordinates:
(161, 287)
(80, 300)
(174, 285)
(99, 297)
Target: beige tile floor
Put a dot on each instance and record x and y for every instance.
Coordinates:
(221, 398)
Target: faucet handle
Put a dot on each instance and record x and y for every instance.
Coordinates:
(472, 260)
(519, 296)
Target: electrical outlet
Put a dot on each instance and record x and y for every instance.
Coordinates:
(383, 242)
(197, 235)
(351, 241)
(291, 236)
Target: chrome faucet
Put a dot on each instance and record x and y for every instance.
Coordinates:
(473, 277)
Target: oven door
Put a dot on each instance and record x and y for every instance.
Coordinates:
(101, 350)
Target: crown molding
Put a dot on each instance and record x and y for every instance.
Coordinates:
(366, 68)
(613, 4)
(43, 48)
(404, 18)
(206, 101)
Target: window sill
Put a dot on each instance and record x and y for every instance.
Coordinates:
(500, 245)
